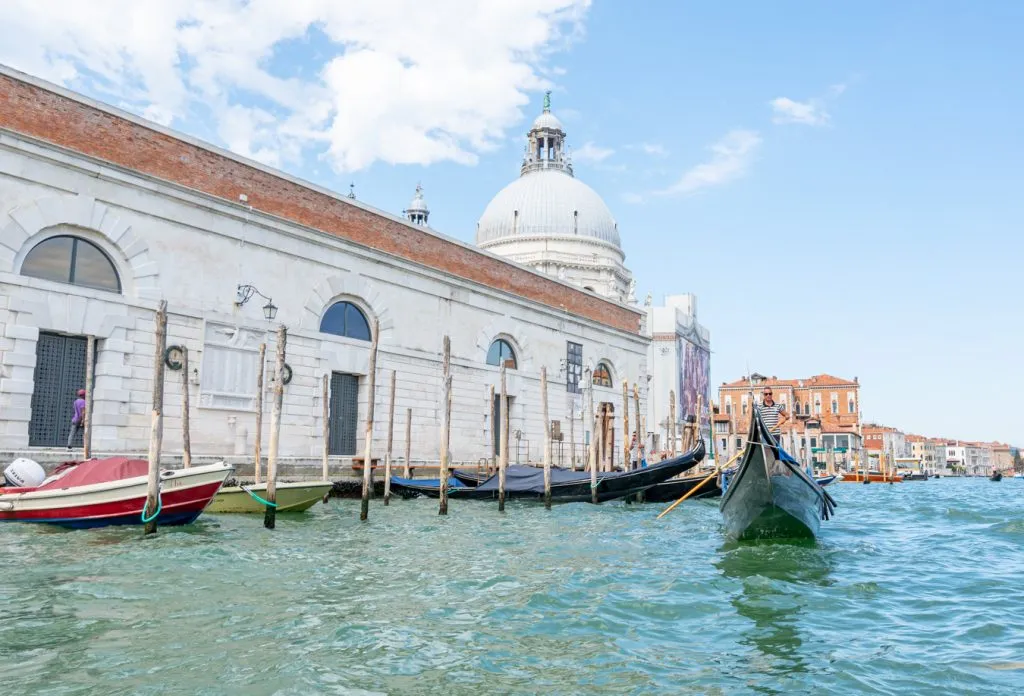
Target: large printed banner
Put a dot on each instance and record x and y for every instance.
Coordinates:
(695, 378)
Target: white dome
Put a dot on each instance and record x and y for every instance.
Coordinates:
(547, 120)
(546, 201)
(419, 204)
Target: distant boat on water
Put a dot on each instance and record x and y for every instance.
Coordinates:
(873, 476)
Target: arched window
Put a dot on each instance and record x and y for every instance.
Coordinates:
(345, 319)
(602, 375)
(72, 260)
(501, 353)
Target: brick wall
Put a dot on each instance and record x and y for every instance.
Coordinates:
(38, 112)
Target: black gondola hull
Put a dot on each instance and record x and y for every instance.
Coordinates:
(610, 486)
(673, 490)
(769, 497)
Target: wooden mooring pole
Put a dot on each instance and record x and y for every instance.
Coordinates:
(408, 443)
(391, 440)
(639, 425)
(90, 370)
(270, 514)
(186, 433)
(503, 443)
(672, 421)
(371, 380)
(547, 436)
(446, 425)
(625, 426)
(156, 427)
(258, 445)
(593, 461)
(699, 422)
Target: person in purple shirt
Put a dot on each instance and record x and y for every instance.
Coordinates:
(78, 419)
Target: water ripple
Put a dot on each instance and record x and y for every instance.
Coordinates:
(911, 589)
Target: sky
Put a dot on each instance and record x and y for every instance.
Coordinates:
(840, 185)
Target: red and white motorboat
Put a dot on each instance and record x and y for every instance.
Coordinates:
(102, 492)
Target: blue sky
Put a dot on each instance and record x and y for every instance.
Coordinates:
(840, 186)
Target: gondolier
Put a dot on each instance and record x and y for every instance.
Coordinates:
(773, 414)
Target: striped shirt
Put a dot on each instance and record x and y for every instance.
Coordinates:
(770, 415)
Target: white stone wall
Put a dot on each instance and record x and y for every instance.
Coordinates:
(582, 261)
(192, 250)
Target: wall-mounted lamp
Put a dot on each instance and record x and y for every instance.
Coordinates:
(245, 293)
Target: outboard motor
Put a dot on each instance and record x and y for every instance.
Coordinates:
(24, 473)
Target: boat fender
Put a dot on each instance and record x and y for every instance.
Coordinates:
(24, 473)
(6, 506)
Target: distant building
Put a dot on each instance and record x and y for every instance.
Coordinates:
(882, 438)
(1002, 456)
(825, 414)
(935, 456)
(978, 457)
(956, 457)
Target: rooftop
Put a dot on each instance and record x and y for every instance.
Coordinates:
(822, 380)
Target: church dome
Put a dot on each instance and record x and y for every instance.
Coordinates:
(549, 203)
(547, 200)
(547, 120)
(418, 204)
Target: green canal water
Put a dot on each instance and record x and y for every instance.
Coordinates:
(912, 589)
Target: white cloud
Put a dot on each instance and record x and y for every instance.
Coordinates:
(730, 159)
(653, 149)
(357, 81)
(811, 112)
(590, 152)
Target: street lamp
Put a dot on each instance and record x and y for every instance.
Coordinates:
(245, 293)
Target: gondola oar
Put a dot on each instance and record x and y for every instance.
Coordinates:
(693, 490)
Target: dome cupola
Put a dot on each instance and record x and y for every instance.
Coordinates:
(552, 221)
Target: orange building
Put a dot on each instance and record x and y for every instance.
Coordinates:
(824, 414)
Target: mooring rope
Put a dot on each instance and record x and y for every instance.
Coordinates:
(159, 507)
(257, 498)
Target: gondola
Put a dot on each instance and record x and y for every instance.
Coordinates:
(673, 490)
(770, 495)
(996, 476)
(527, 482)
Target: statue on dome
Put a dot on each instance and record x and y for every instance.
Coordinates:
(632, 291)
(649, 300)
(547, 100)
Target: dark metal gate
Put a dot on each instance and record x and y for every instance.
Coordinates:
(59, 374)
(344, 413)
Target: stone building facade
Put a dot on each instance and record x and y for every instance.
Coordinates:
(824, 410)
(147, 214)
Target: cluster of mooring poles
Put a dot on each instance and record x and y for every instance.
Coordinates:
(594, 460)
